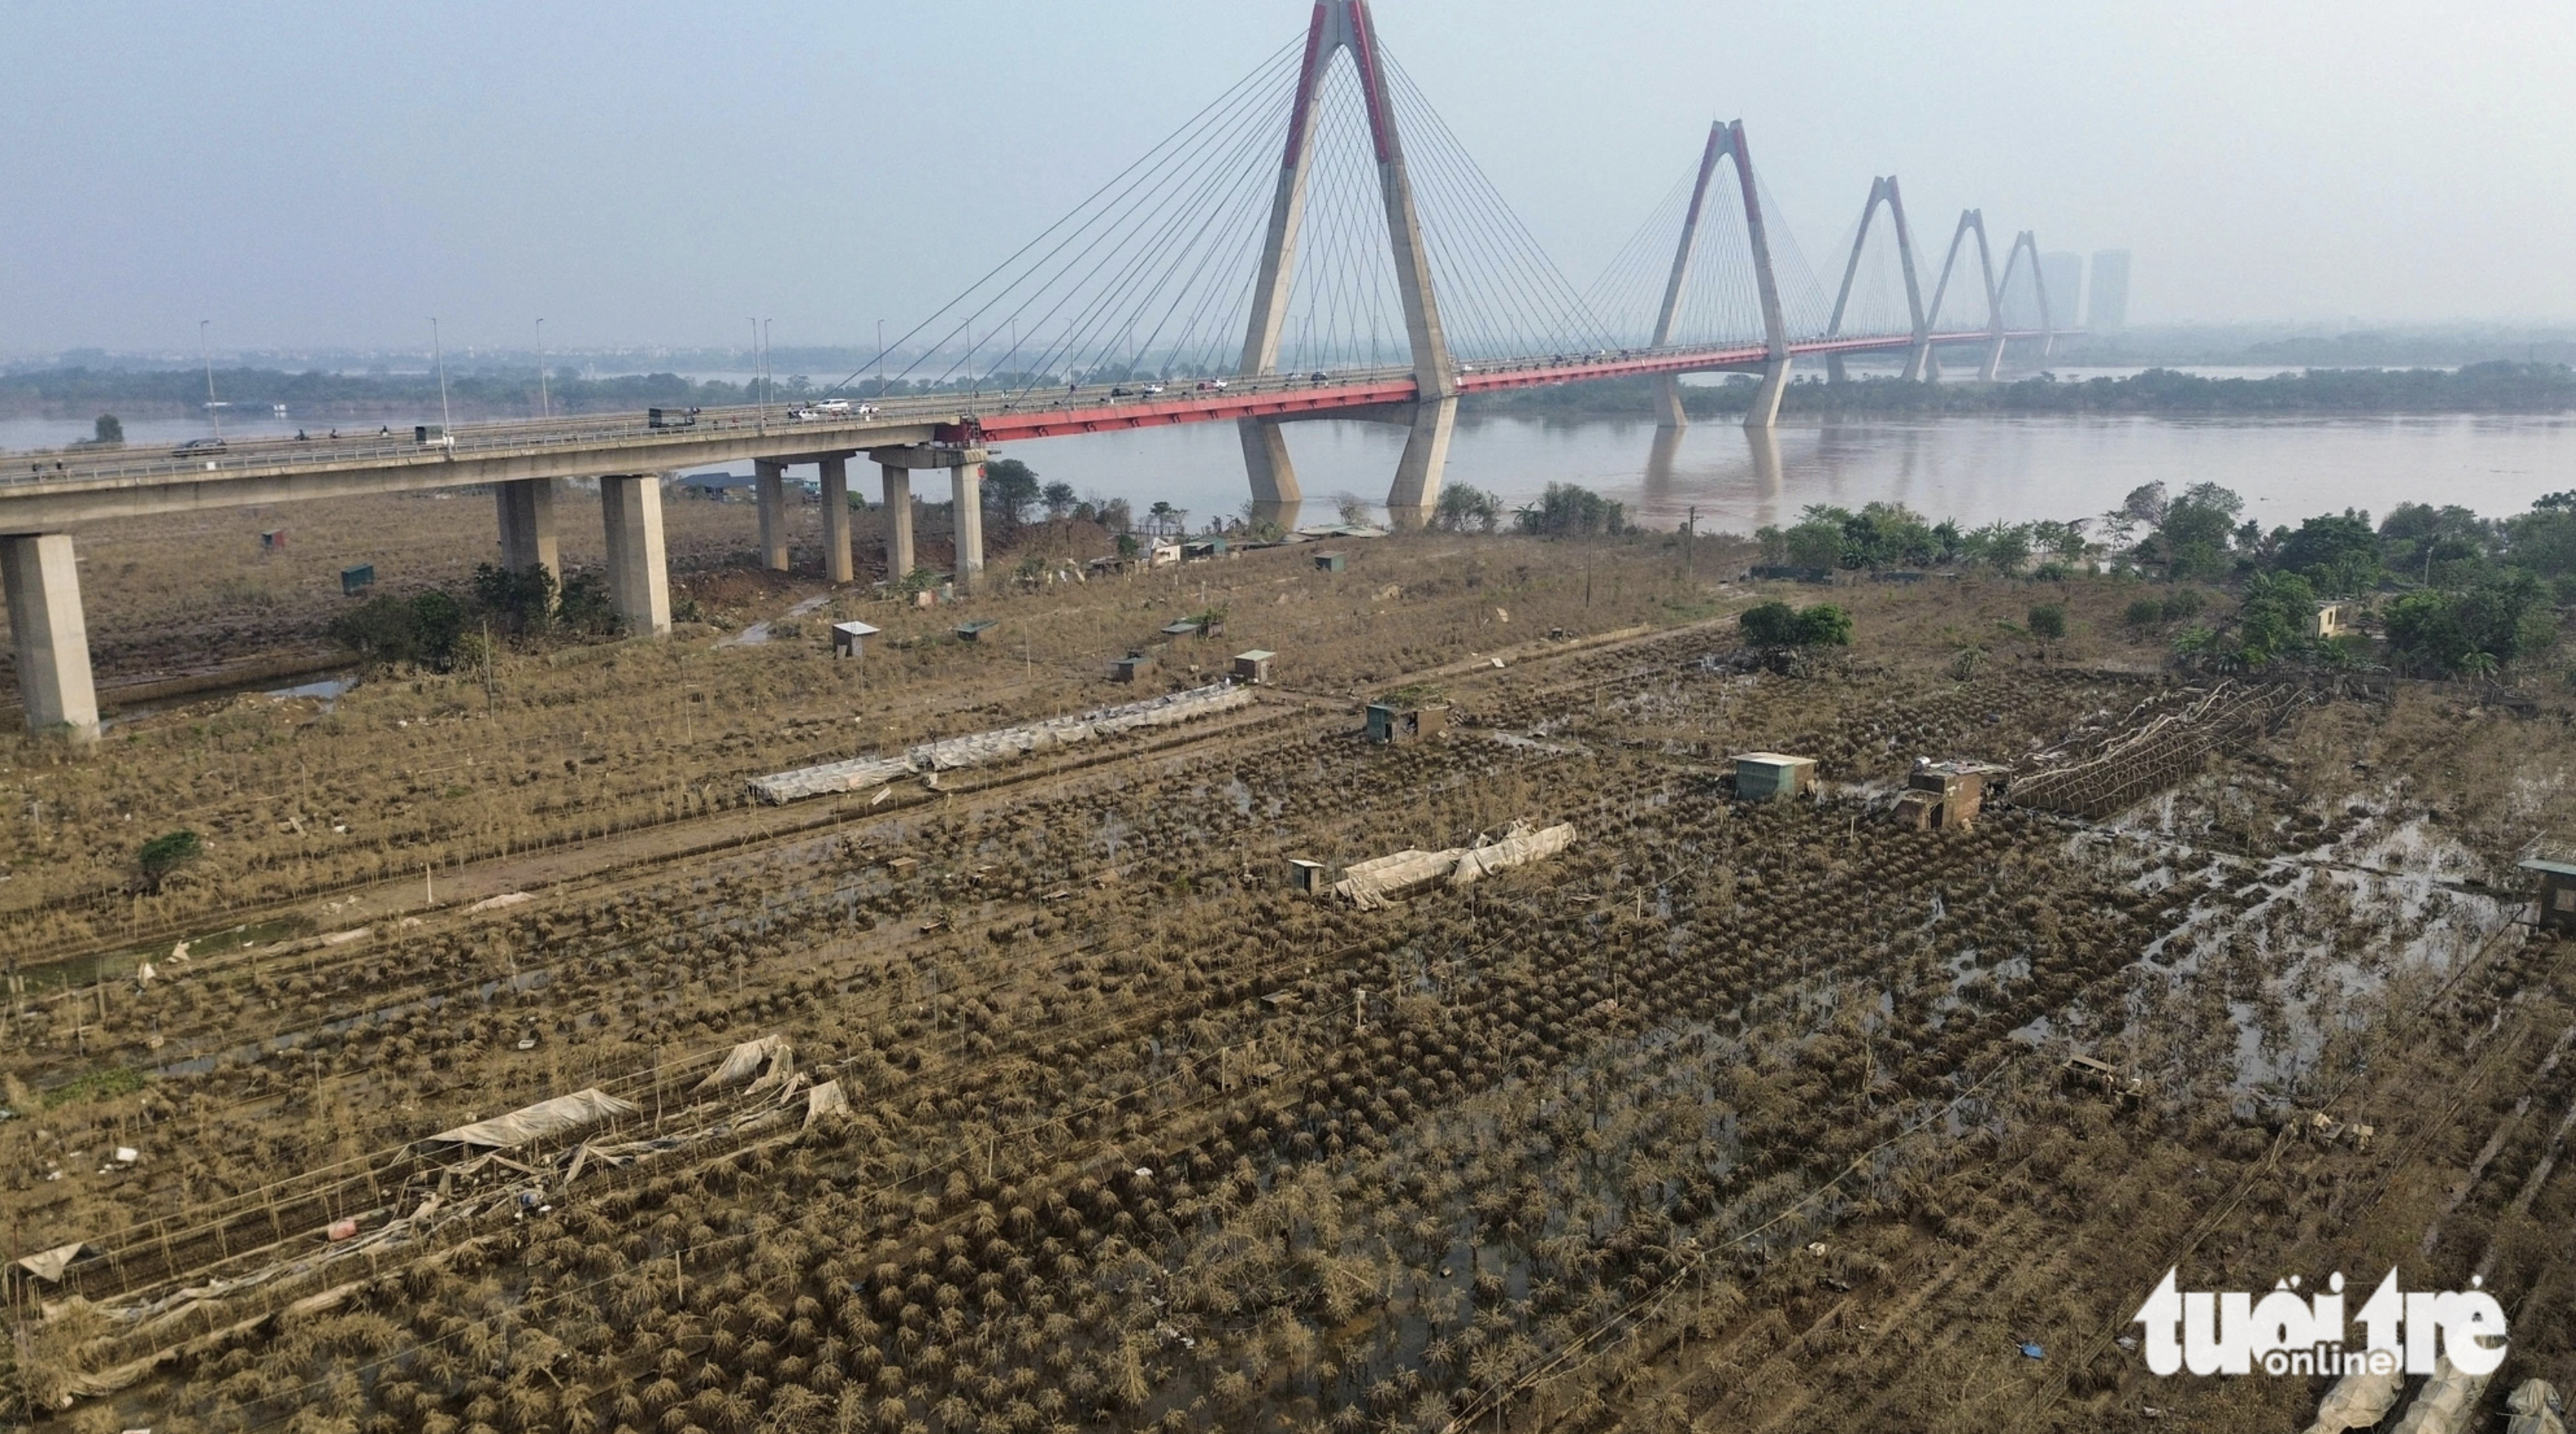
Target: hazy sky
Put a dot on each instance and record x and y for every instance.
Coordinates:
(331, 174)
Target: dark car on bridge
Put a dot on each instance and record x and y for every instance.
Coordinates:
(671, 418)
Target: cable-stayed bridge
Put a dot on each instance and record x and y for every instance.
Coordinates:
(1314, 243)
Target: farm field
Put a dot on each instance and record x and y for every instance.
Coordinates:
(1034, 1097)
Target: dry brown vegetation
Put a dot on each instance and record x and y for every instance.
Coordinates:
(1140, 1140)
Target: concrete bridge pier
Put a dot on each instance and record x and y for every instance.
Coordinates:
(966, 493)
(1668, 404)
(1416, 492)
(1266, 462)
(1765, 410)
(898, 507)
(639, 574)
(770, 478)
(528, 525)
(43, 588)
(965, 485)
(836, 518)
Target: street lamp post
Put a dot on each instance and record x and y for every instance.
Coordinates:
(214, 413)
(545, 404)
(438, 355)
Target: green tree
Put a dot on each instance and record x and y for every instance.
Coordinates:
(1059, 500)
(2495, 619)
(1010, 490)
(1569, 510)
(1814, 543)
(1463, 508)
(2337, 554)
(1778, 625)
(2192, 540)
(2003, 546)
(108, 431)
(1886, 535)
(520, 600)
(2543, 541)
(161, 858)
(586, 606)
(2273, 620)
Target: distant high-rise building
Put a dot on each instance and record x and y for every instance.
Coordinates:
(2062, 274)
(2110, 311)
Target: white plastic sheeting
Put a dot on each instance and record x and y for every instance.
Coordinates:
(975, 749)
(561, 1115)
(2357, 1401)
(1368, 884)
(2446, 1404)
(2531, 1411)
(1520, 848)
(825, 1099)
(771, 1059)
(48, 1265)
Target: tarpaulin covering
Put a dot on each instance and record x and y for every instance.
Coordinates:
(48, 1265)
(2530, 1409)
(561, 1115)
(1368, 884)
(1517, 849)
(825, 1099)
(2357, 1401)
(2446, 1403)
(746, 1061)
(859, 774)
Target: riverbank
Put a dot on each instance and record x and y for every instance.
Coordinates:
(327, 398)
(2500, 387)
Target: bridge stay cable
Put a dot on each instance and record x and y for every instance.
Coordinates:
(1137, 240)
(1088, 212)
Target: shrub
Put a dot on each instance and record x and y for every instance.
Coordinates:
(1776, 624)
(1464, 508)
(1570, 510)
(421, 630)
(2048, 620)
(2145, 612)
(163, 856)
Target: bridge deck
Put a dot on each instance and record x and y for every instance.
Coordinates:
(75, 484)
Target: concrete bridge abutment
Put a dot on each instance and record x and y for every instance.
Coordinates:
(42, 582)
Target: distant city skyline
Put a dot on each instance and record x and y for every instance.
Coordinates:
(313, 176)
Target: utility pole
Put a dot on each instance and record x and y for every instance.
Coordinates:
(1690, 531)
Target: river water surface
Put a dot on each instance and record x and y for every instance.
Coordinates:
(1973, 469)
(1970, 469)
